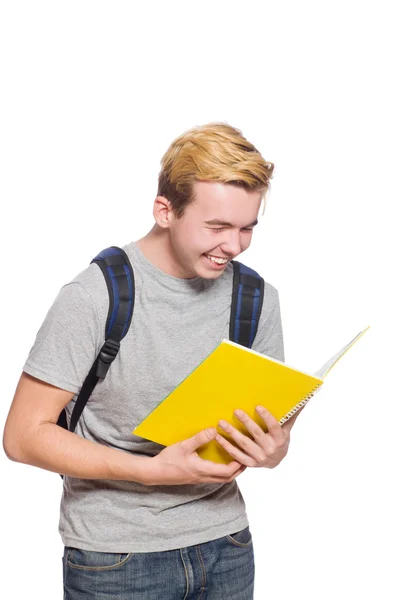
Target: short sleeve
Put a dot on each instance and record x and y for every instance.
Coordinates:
(68, 340)
(269, 338)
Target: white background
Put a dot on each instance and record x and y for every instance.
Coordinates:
(92, 95)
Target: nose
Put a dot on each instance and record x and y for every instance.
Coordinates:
(232, 243)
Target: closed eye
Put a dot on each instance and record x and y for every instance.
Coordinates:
(218, 229)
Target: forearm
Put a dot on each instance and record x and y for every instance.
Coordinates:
(51, 447)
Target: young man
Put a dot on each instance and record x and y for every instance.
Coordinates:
(139, 520)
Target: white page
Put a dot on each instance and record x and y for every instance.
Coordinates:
(330, 363)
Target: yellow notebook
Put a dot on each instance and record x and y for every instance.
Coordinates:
(232, 377)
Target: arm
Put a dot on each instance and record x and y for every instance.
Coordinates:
(66, 345)
(31, 436)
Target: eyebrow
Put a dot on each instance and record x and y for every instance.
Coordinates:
(227, 224)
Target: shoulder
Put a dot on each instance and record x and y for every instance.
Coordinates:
(90, 279)
(269, 339)
(271, 296)
(89, 287)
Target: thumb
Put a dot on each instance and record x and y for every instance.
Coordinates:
(199, 439)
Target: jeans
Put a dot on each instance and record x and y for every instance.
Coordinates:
(222, 569)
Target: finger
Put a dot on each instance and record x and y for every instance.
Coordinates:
(255, 449)
(239, 455)
(230, 479)
(241, 470)
(209, 479)
(199, 439)
(218, 469)
(253, 428)
(208, 467)
(273, 426)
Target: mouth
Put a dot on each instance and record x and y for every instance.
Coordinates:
(216, 262)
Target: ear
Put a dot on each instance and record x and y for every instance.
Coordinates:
(162, 212)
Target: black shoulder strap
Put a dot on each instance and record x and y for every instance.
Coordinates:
(119, 277)
(247, 300)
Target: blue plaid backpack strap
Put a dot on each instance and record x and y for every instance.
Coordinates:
(119, 276)
(247, 300)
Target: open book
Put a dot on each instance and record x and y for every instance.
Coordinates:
(232, 377)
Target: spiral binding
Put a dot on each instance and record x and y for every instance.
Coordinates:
(305, 400)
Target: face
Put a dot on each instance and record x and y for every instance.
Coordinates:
(215, 228)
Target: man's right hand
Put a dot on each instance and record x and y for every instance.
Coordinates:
(179, 464)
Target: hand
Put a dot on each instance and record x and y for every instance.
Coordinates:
(180, 464)
(265, 449)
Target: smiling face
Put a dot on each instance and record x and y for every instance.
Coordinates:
(215, 228)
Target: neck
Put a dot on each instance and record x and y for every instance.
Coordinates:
(157, 248)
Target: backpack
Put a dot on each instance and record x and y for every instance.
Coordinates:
(246, 306)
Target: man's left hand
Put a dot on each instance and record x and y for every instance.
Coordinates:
(266, 449)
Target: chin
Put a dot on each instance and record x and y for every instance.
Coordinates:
(210, 275)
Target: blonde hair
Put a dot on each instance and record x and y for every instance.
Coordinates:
(212, 152)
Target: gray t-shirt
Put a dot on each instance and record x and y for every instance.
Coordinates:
(175, 325)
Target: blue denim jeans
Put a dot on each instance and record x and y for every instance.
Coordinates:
(222, 569)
